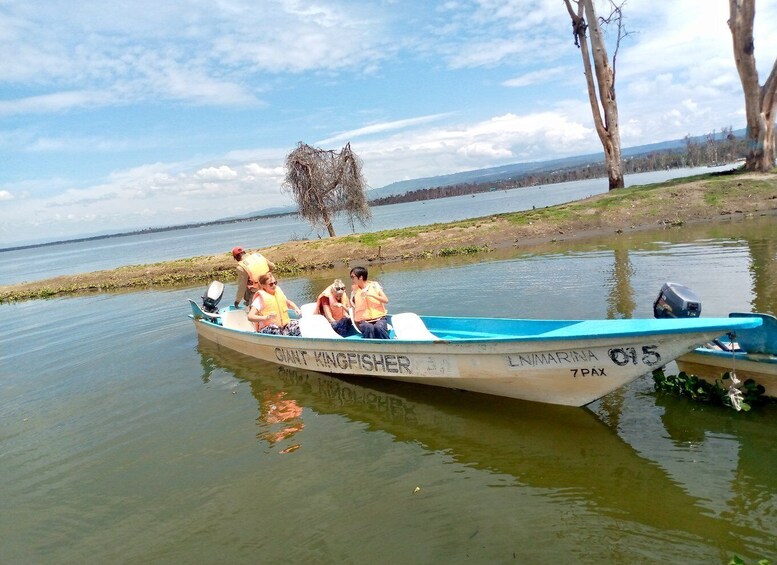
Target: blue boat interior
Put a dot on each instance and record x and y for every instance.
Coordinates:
(503, 328)
(492, 328)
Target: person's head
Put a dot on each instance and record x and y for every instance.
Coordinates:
(237, 253)
(358, 273)
(338, 287)
(268, 283)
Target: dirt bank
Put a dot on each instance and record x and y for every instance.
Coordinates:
(669, 205)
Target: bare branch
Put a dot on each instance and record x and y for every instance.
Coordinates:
(324, 183)
(616, 18)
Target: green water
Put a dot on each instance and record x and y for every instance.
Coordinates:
(123, 439)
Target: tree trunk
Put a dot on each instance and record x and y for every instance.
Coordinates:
(760, 102)
(327, 221)
(606, 126)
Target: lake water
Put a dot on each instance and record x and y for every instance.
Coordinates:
(125, 440)
(79, 257)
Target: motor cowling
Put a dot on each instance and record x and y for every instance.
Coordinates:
(212, 297)
(676, 301)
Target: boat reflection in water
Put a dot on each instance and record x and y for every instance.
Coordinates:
(568, 452)
(280, 418)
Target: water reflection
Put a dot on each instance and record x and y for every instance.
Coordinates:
(750, 437)
(279, 418)
(724, 460)
(620, 302)
(763, 268)
(577, 456)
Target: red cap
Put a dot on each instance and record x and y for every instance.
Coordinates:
(237, 251)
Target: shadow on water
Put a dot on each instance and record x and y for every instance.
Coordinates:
(570, 452)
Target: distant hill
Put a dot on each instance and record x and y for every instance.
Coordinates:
(276, 211)
(518, 169)
(481, 175)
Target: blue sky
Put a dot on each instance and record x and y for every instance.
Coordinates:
(125, 115)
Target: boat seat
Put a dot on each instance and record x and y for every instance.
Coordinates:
(307, 309)
(237, 320)
(316, 325)
(410, 326)
(762, 339)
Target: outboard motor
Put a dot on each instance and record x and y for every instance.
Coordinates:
(676, 301)
(212, 297)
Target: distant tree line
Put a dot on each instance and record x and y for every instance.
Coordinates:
(715, 148)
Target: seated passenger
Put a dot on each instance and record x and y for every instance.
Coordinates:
(369, 305)
(333, 304)
(269, 309)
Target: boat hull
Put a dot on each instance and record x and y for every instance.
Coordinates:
(568, 371)
(710, 365)
(751, 355)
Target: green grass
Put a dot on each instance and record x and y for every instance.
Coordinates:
(374, 239)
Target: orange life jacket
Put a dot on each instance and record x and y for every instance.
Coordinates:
(337, 313)
(255, 265)
(365, 308)
(273, 304)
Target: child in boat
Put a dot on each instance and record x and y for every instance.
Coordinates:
(269, 309)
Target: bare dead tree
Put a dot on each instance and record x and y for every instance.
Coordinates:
(760, 101)
(325, 183)
(600, 78)
(711, 147)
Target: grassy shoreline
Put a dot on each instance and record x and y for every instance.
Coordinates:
(666, 205)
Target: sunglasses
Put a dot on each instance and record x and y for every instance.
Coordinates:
(272, 284)
(339, 288)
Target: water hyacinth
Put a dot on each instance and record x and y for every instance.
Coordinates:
(738, 395)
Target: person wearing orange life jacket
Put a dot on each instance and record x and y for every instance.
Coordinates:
(270, 309)
(369, 305)
(333, 304)
(250, 266)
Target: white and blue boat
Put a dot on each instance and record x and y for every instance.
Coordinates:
(750, 353)
(567, 362)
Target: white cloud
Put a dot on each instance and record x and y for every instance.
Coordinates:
(381, 128)
(484, 149)
(201, 53)
(216, 174)
(123, 202)
(255, 170)
(536, 77)
(5, 195)
(496, 141)
(55, 102)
